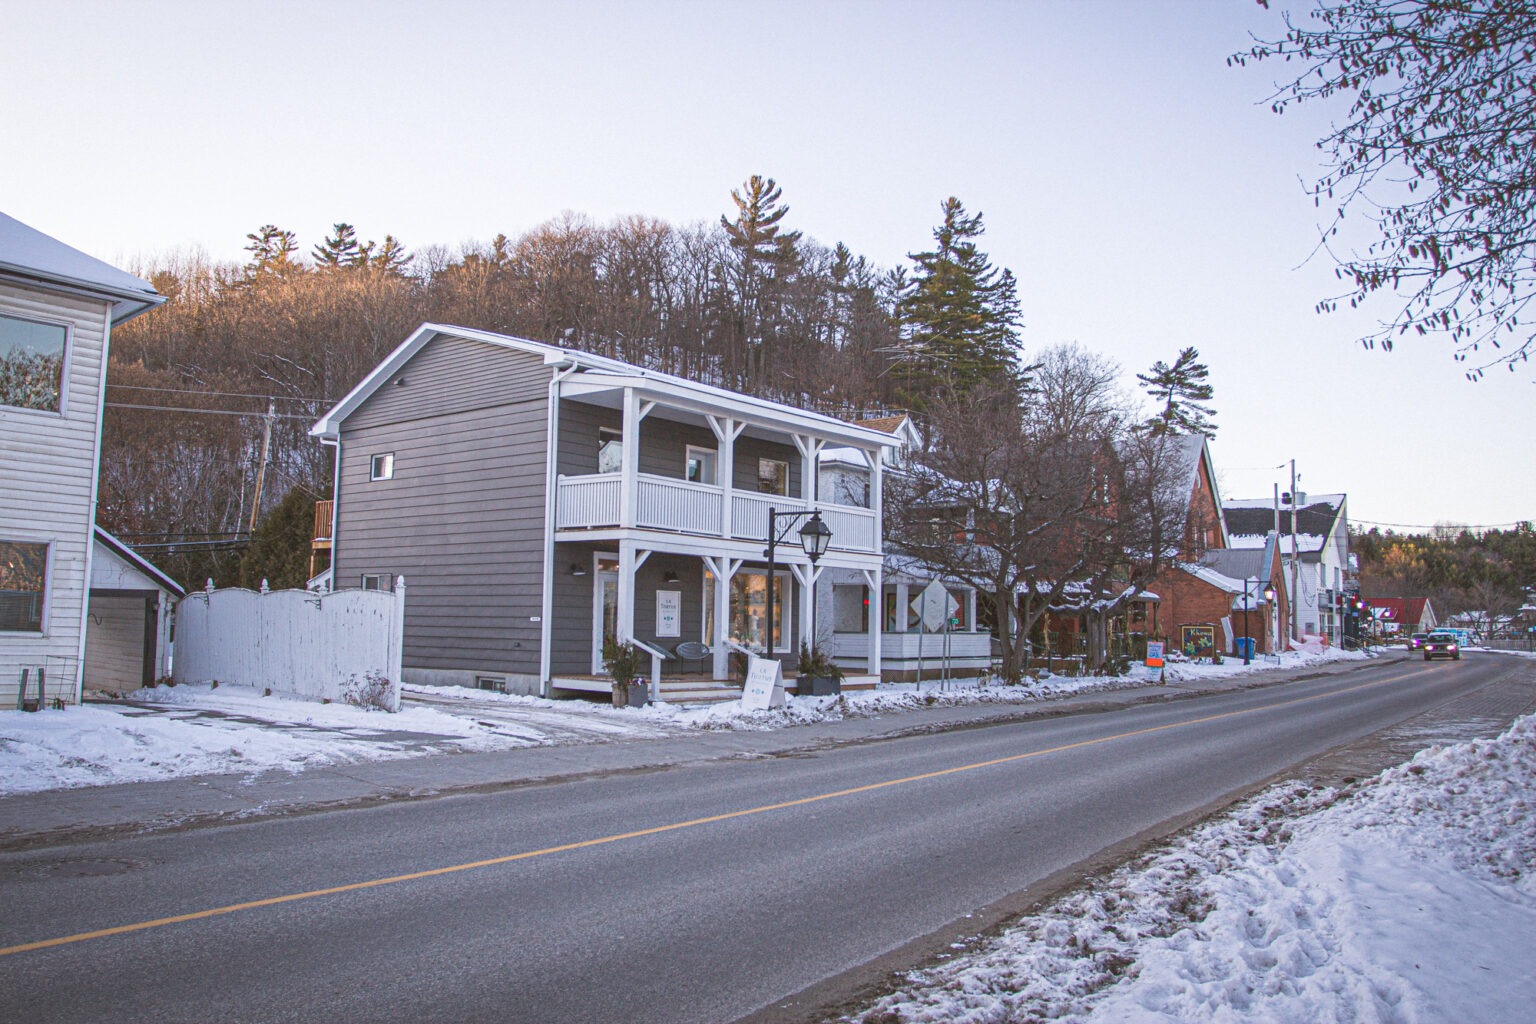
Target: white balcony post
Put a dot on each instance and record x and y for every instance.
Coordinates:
(726, 431)
(877, 492)
(872, 577)
(722, 569)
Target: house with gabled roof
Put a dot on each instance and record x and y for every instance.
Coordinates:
(541, 501)
(1318, 570)
(57, 310)
(1402, 616)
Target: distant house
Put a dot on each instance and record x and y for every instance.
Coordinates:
(541, 501)
(1322, 566)
(57, 310)
(1401, 616)
(928, 622)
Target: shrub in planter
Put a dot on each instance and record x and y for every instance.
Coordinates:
(819, 675)
(622, 662)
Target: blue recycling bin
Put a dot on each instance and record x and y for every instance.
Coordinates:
(1245, 647)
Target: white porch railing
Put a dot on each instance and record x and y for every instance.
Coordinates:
(678, 505)
(591, 500)
(664, 503)
(904, 647)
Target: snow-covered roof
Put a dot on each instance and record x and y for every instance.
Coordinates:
(138, 562)
(603, 371)
(1250, 520)
(28, 254)
(1219, 580)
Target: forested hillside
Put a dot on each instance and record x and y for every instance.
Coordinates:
(243, 358)
(1459, 570)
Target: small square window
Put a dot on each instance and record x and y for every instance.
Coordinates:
(378, 581)
(382, 467)
(772, 476)
(32, 364)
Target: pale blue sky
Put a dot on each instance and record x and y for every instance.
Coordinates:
(1139, 189)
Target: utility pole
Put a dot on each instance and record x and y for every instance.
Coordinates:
(261, 472)
(1295, 561)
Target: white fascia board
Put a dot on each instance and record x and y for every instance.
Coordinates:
(707, 400)
(139, 562)
(329, 425)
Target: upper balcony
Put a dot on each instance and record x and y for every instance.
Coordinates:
(596, 501)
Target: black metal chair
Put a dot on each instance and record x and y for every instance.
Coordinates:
(691, 650)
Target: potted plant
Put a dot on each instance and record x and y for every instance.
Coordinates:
(819, 675)
(623, 663)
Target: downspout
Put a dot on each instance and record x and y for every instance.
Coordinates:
(551, 496)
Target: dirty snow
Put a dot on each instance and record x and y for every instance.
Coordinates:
(173, 731)
(1408, 899)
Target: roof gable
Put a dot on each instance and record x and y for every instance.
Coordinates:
(26, 252)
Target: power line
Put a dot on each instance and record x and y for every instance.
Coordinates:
(221, 394)
(1444, 525)
(213, 412)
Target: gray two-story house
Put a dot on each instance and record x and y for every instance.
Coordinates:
(539, 500)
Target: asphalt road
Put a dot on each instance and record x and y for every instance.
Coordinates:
(701, 893)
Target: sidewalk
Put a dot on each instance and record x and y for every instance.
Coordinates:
(32, 820)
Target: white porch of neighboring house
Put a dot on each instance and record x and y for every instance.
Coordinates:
(926, 629)
(661, 560)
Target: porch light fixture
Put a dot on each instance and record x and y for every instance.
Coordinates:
(670, 577)
(1269, 597)
(814, 537)
(577, 569)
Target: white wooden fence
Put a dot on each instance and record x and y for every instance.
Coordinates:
(340, 646)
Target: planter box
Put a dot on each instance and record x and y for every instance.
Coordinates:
(818, 686)
(635, 695)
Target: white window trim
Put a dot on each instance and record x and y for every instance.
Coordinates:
(48, 550)
(373, 467)
(379, 577)
(714, 462)
(64, 369)
(780, 462)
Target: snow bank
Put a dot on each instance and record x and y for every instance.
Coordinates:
(1410, 899)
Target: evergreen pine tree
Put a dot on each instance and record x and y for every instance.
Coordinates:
(339, 250)
(961, 315)
(765, 256)
(280, 544)
(272, 250)
(1181, 390)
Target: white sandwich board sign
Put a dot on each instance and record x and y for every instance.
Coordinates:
(764, 687)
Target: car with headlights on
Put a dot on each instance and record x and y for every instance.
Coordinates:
(1442, 645)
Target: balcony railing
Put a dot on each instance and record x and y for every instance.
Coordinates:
(322, 534)
(594, 501)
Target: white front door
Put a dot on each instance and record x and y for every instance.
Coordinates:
(605, 607)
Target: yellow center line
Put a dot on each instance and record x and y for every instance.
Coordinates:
(374, 883)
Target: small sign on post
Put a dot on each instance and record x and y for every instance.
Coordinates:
(1154, 661)
(764, 687)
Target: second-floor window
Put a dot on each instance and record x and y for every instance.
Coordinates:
(382, 467)
(610, 450)
(700, 465)
(32, 364)
(772, 476)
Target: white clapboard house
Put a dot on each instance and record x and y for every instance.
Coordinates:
(57, 310)
(540, 501)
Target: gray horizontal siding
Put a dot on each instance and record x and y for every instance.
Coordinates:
(451, 373)
(462, 519)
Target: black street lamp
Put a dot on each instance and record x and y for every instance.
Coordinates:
(1269, 595)
(814, 536)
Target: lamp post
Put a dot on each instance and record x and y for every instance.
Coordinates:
(1268, 595)
(814, 536)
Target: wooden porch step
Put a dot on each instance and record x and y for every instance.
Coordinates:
(701, 691)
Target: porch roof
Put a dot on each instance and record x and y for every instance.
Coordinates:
(599, 372)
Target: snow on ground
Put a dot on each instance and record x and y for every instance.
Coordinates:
(173, 731)
(1409, 899)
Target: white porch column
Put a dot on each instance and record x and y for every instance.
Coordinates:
(877, 492)
(806, 576)
(631, 558)
(808, 447)
(629, 489)
(726, 432)
(722, 569)
(872, 577)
